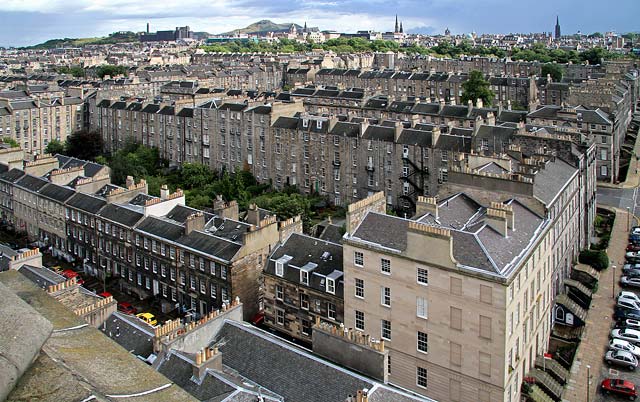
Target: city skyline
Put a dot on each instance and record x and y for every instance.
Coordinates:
(59, 18)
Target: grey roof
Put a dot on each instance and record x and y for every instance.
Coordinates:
(86, 202)
(161, 228)
(42, 277)
(121, 215)
(379, 133)
(212, 245)
(12, 175)
(394, 236)
(32, 183)
(549, 180)
(303, 250)
(55, 192)
(129, 332)
(180, 370)
(285, 369)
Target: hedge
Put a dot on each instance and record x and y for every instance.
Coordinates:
(598, 259)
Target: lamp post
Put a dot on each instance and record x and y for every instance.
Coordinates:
(588, 380)
(613, 281)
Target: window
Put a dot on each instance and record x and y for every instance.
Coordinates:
(279, 268)
(331, 311)
(455, 318)
(304, 277)
(485, 363)
(385, 329)
(421, 374)
(423, 276)
(385, 296)
(358, 259)
(360, 288)
(485, 327)
(279, 317)
(306, 327)
(385, 266)
(331, 286)
(421, 307)
(279, 292)
(455, 353)
(486, 294)
(455, 286)
(214, 291)
(223, 272)
(359, 320)
(304, 301)
(423, 342)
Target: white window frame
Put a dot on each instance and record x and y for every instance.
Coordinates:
(425, 276)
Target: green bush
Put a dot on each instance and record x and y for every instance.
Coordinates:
(598, 259)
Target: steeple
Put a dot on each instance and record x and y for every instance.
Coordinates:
(396, 28)
(305, 27)
(401, 30)
(557, 27)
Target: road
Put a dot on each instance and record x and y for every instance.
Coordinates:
(622, 198)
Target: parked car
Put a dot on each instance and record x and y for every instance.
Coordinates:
(69, 273)
(628, 303)
(148, 318)
(628, 334)
(621, 313)
(628, 323)
(621, 358)
(625, 294)
(629, 267)
(621, 344)
(632, 257)
(630, 281)
(127, 308)
(633, 247)
(617, 386)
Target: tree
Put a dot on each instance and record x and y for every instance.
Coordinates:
(285, 206)
(110, 70)
(10, 141)
(54, 147)
(594, 55)
(554, 70)
(476, 87)
(84, 144)
(195, 175)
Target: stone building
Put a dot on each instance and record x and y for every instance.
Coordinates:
(303, 282)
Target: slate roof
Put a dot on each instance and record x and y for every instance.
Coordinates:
(42, 277)
(416, 137)
(549, 181)
(86, 202)
(299, 376)
(212, 245)
(121, 215)
(31, 183)
(346, 129)
(12, 175)
(130, 333)
(161, 228)
(304, 250)
(55, 192)
(379, 133)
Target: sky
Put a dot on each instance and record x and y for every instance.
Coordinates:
(27, 22)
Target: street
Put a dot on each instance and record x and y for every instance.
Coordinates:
(622, 198)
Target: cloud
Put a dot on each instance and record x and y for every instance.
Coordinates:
(32, 21)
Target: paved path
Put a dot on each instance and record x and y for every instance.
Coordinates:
(599, 320)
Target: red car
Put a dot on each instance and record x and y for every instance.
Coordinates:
(633, 247)
(620, 387)
(68, 273)
(127, 308)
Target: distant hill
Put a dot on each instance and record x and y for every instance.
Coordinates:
(262, 27)
(116, 37)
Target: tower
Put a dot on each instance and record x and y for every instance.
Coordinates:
(401, 30)
(397, 28)
(147, 28)
(557, 28)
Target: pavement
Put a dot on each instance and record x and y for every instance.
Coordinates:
(588, 368)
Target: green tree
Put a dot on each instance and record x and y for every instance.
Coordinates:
(10, 141)
(84, 144)
(556, 71)
(110, 70)
(54, 147)
(196, 175)
(285, 206)
(477, 87)
(594, 55)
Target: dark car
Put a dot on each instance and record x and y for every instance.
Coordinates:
(633, 247)
(619, 387)
(127, 308)
(621, 313)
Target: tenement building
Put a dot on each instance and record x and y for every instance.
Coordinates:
(482, 263)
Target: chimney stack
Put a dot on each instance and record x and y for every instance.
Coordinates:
(164, 192)
(427, 205)
(497, 219)
(479, 103)
(129, 182)
(194, 221)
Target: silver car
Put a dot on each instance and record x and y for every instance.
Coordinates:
(621, 344)
(621, 358)
(631, 281)
(627, 334)
(628, 303)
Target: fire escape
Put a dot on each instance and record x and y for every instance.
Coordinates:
(414, 176)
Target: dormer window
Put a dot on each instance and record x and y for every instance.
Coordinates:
(304, 277)
(331, 286)
(279, 269)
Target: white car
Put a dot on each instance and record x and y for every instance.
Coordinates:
(621, 358)
(628, 303)
(625, 294)
(621, 344)
(630, 323)
(630, 281)
(627, 334)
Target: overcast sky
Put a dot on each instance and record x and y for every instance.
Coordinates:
(25, 22)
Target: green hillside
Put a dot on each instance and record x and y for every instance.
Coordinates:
(261, 27)
(116, 37)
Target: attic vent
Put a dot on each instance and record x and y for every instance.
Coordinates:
(325, 256)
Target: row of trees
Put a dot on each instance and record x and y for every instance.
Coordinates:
(537, 52)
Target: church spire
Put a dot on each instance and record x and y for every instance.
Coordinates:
(557, 27)
(396, 28)
(401, 29)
